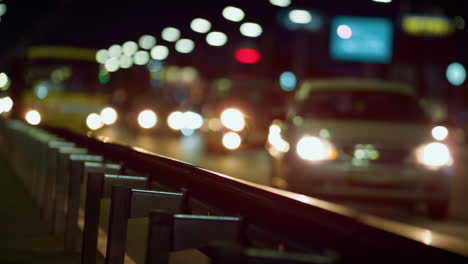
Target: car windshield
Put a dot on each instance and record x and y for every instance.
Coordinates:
(362, 105)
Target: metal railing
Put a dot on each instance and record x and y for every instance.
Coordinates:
(272, 218)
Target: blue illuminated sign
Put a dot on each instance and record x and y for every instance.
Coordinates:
(361, 39)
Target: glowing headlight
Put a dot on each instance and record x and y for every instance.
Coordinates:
(434, 155)
(315, 149)
(93, 121)
(33, 117)
(147, 119)
(108, 115)
(233, 119)
(439, 132)
(232, 140)
(176, 120)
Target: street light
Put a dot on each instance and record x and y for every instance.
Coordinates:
(234, 14)
(252, 30)
(170, 34)
(216, 38)
(200, 25)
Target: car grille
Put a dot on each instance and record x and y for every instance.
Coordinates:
(386, 155)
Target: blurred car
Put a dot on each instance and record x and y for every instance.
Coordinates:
(361, 139)
(238, 112)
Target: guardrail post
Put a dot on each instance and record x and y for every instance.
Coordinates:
(91, 225)
(118, 221)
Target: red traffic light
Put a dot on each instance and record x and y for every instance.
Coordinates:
(247, 56)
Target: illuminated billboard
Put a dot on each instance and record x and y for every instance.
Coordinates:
(361, 39)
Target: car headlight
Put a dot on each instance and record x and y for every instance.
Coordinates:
(108, 115)
(147, 119)
(315, 149)
(93, 121)
(233, 119)
(439, 133)
(33, 117)
(434, 155)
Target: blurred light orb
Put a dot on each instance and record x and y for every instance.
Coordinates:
(159, 52)
(93, 121)
(3, 81)
(247, 56)
(42, 90)
(456, 74)
(252, 30)
(281, 3)
(192, 120)
(232, 140)
(176, 120)
(101, 56)
(170, 34)
(6, 104)
(344, 32)
(115, 51)
(188, 74)
(147, 119)
(129, 48)
(439, 133)
(187, 132)
(216, 38)
(147, 42)
(108, 115)
(125, 62)
(112, 64)
(233, 119)
(234, 14)
(33, 117)
(288, 81)
(435, 154)
(3, 9)
(200, 25)
(185, 45)
(141, 57)
(383, 1)
(300, 16)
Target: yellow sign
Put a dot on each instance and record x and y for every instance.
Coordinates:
(420, 25)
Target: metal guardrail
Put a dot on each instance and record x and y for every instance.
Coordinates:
(272, 217)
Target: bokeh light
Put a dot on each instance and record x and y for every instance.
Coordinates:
(439, 132)
(288, 81)
(125, 62)
(232, 140)
(176, 120)
(184, 45)
(3, 81)
(112, 64)
(216, 38)
(33, 117)
(6, 104)
(233, 119)
(101, 56)
(456, 74)
(147, 119)
(159, 52)
(234, 14)
(93, 121)
(200, 25)
(147, 42)
(109, 116)
(252, 30)
(141, 57)
(247, 56)
(170, 34)
(115, 51)
(129, 48)
(300, 16)
(3, 9)
(344, 32)
(281, 3)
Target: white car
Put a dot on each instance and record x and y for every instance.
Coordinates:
(359, 138)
